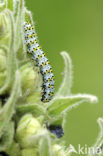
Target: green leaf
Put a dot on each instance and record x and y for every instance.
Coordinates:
(7, 137)
(65, 88)
(45, 146)
(11, 59)
(2, 78)
(9, 4)
(15, 9)
(28, 16)
(7, 111)
(19, 24)
(30, 152)
(98, 146)
(4, 29)
(14, 150)
(61, 104)
(35, 109)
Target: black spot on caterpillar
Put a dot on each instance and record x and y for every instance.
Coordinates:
(42, 62)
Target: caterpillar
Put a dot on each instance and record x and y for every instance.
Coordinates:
(42, 62)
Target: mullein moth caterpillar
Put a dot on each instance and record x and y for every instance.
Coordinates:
(42, 62)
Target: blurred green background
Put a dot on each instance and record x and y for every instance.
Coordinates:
(77, 27)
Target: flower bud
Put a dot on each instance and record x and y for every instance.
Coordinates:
(58, 150)
(28, 126)
(29, 79)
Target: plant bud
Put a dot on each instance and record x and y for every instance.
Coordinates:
(29, 78)
(28, 126)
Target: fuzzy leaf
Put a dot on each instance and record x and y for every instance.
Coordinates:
(35, 109)
(14, 150)
(65, 88)
(61, 104)
(9, 4)
(45, 146)
(7, 137)
(30, 152)
(15, 8)
(4, 29)
(11, 60)
(28, 16)
(2, 78)
(19, 24)
(98, 146)
(7, 111)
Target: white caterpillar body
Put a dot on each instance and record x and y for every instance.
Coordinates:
(42, 62)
